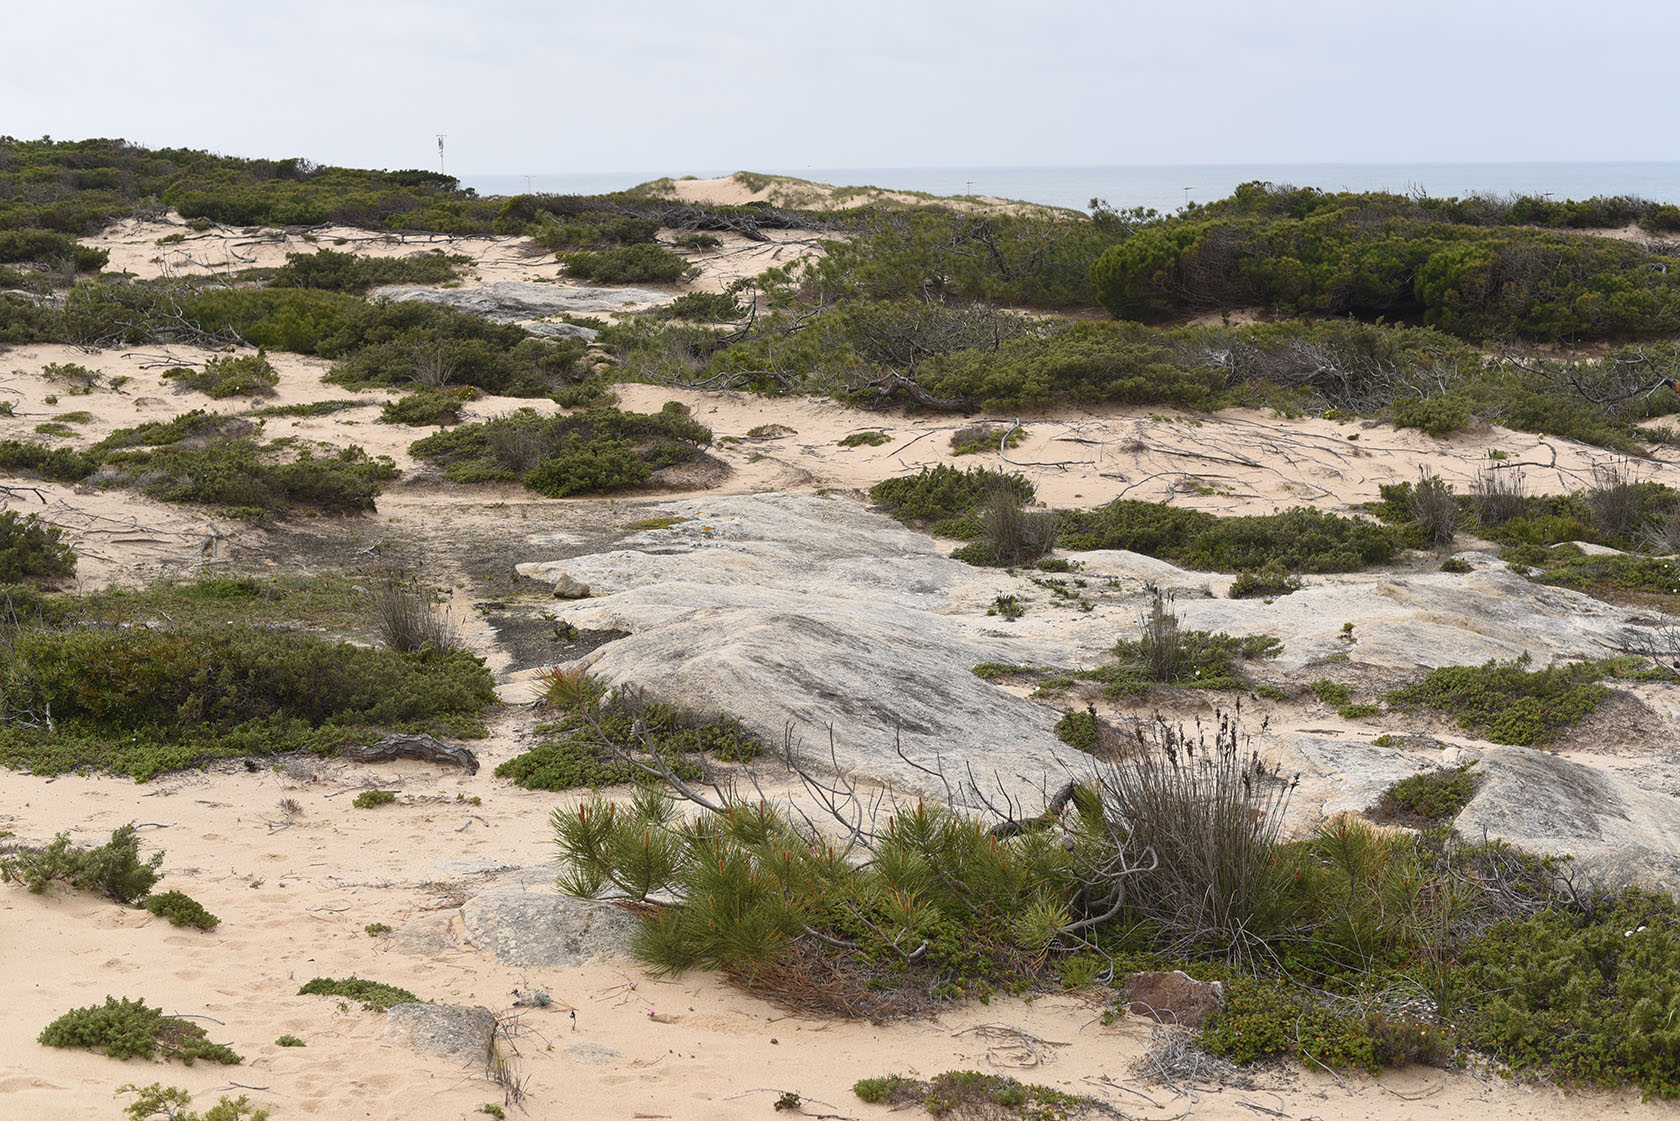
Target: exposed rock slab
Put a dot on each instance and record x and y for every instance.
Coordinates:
(456, 1031)
(1617, 833)
(509, 301)
(815, 612)
(542, 929)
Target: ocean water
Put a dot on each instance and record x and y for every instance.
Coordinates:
(1168, 187)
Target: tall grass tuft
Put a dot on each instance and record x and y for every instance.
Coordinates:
(1211, 814)
(408, 617)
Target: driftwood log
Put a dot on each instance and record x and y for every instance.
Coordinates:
(425, 748)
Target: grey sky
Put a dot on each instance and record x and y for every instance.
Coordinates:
(521, 86)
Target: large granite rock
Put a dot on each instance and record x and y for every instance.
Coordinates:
(509, 301)
(816, 614)
(1617, 832)
(455, 1031)
(542, 929)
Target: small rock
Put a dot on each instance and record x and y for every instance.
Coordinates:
(1174, 998)
(457, 1031)
(568, 587)
(594, 1053)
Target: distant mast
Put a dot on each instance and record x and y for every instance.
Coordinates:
(440, 137)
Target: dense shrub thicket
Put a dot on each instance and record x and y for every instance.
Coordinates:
(347, 272)
(139, 700)
(1314, 253)
(595, 451)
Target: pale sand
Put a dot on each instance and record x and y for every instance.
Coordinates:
(294, 900)
(223, 251)
(743, 188)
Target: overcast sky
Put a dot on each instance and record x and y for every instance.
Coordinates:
(521, 86)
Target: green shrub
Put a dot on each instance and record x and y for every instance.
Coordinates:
(1435, 795)
(1269, 1019)
(289, 1041)
(1506, 701)
(31, 549)
(1437, 416)
(430, 406)
(242, 475)
(129, 1029)
(347, 272)
(249, 375)
(964, 1094)
(628, 264)
(1591, 1000)
(180, 909)
(1271, 580)
(593, 452)
(170, 1104)
(1164, 654)
(704, 307)
(1009, 535)
(863, 439)
(947, 501)
(1300, 539)
(138, 701)
(113, 870)
(374, 995)
(1078, 729)
(575, 756)
(369, 799)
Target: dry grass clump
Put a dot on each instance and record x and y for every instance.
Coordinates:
(1434, 510)
(1497, 496)
(408, 617)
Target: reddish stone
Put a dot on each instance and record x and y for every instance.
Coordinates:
(1174, 998)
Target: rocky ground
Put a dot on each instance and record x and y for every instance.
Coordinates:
(762, 585)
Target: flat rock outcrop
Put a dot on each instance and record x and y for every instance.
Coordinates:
(511, 301)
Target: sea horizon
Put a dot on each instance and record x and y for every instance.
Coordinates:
(1166, 187)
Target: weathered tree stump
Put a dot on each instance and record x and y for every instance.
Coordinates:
(427, 749)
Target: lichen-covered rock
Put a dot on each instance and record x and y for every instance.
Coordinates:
(541, 929)
(455, 1031)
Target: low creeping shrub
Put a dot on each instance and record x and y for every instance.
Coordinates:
(628, 264)
(375, 996)
(31, 549)
(596, 451)
(1432, 795)
(1509, 703)
(249, 375)
(113, 870)
(129, 1029)
(577, 754)
(370, 799)
(170, 1104)
(180, 909)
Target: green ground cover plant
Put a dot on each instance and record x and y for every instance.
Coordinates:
(375, 996)
(1432, 795)
(181, 910)
(31, 549)
(596, 451)
(576, 751)
(249, 375)
(113, 869)
(347, 272)
(969, 1094)
(627, 264)
(372, 799)
(428, 407)
(124, 1029)
(946, 501)
(1166, 654)
(1509, 703)
(1297, 540)
(138, 701)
